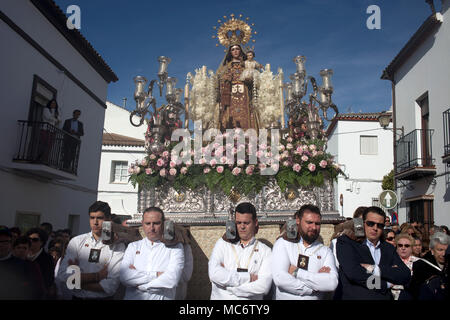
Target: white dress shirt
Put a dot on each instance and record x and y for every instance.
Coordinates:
(186, 274)
(49, 116)
(375, 251)
(149, 258)
(79, 249)
(309, 284)
(227, 283)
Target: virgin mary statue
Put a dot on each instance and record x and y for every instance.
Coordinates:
(234, 95)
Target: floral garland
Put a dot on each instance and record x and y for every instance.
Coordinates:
(300, 163)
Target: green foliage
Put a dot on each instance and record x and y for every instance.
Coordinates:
(388, 181)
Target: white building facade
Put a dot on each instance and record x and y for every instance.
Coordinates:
(364, 151)
(420, 76)
(123, 144)
(42, 59)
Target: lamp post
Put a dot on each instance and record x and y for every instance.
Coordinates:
(320, 98)
(144, 100)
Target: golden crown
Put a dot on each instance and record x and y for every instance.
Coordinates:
(233, 31)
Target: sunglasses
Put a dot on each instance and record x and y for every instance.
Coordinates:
(403, 245)
(371, 224)
(35, 239)
(390, 238)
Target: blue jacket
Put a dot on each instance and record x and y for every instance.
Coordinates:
(353, 277)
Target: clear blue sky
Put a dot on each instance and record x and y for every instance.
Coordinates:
(130, 35)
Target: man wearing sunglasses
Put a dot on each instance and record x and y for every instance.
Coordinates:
(369, 268)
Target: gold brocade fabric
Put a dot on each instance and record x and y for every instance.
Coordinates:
(235, 99)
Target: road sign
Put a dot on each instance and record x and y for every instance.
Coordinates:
(388, 199)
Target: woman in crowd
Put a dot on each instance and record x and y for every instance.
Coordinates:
(404, 244)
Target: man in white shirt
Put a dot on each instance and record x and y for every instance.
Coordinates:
(151, 270)
(303, 268)
(240, 270)
(99, 263)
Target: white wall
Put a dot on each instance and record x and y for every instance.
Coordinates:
(19, 61)
(364, 172)
(121, 197)
(427, 70)
(117, 121)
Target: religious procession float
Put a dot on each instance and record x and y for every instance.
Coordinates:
(252, 138)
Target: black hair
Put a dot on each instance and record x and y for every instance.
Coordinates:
(101, 206)
(76, 110)
(229, 57)
(374, 209)
(154, 209)
(47, 226)
(22, 240)
(251, 51)
(56, 108)
(246, 207)
(42, 235)
(359, 212)
(15, 230)
(307, 207)
(5, 232)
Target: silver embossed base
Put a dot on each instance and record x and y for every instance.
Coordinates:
(203, 207)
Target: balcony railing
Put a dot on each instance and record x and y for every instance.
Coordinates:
(414, 150)
(446, 118)
(43, 143)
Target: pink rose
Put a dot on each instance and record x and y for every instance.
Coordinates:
(282, 147)
(223, 160)
(240, 162)
(289, 139)
(173, 171)
(262, 166)
(219, 169)
(165, 154)
(312, 147)
(299, 149)
(202, 161)
(188, 163)
(305, 158)
(286, 163)
(160, 162)
(183, 170)
(144, 162)
(213, 162)
(236, 171)
(152, 156)
(148, 171)
(206, 170)
(137, 170)
(323, 163)
(162, 173)
(314, 153)
(249, 170)
(311, 167)
(296, 167)
(173, 164)
(275, 167)
(289, 146)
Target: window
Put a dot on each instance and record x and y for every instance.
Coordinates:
(42, 93)
(369, 145)
(27, 220)
(119, 172)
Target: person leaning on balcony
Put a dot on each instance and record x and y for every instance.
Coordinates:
(50, 117)
(75, 128)
(99, 263)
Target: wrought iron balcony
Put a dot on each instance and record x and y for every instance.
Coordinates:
(446, 118)
(414, 155)
(41, 143)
